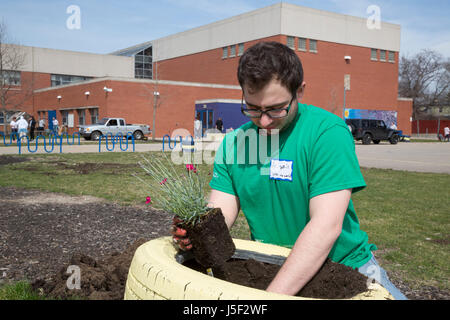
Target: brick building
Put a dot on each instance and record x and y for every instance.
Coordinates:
(194, 72)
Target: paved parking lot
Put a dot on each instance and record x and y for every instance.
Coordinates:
(409, 156)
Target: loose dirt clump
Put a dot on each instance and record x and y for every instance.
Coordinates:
(99, 280)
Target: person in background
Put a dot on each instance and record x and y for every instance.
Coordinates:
(447, 134)
(13, 125)
(219, 124)
(197, 128)
(22, 127)
(32, 125)
(55, 125)
(41, 126)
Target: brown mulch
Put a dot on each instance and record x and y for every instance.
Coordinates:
(41, 234)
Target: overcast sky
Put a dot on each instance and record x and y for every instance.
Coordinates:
(109, 25)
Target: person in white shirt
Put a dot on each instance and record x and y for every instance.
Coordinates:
(13, 125)
(41, 126)
(447, 133)
(197, 128)
(22, 126)
(55, 125)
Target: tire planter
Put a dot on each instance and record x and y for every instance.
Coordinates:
(156, 273)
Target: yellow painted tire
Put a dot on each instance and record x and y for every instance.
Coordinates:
(155, 274)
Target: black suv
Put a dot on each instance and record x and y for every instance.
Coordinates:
(369, 130)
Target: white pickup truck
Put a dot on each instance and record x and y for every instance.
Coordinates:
(113, 126)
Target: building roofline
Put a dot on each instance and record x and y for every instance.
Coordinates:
(166, 82)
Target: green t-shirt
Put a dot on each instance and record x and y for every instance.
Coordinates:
(313, 156)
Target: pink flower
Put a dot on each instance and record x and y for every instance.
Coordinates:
(190, 167)
(148, 200)
(163, 182)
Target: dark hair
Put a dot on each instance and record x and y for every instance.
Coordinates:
(270, 60)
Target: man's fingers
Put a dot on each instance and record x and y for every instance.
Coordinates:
(183, 244)
(178, 232)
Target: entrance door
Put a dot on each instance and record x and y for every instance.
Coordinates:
(206, 117)
(51, 115)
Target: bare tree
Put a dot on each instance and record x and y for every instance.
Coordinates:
(13, 90)
(425, 78)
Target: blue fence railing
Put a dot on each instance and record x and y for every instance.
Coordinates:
(118, 138)
(49, 142)
(178, 138)
(53, 140)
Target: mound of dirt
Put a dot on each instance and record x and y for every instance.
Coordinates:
(99, 280)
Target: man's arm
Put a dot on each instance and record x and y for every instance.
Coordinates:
(314, 243)
(228, 203)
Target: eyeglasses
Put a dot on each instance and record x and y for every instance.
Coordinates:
(275, 113)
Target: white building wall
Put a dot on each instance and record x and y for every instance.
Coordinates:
(280, 18)
(332, 27)
(74, 63)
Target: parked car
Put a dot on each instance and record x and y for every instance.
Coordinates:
(113, 126)
(368, 130)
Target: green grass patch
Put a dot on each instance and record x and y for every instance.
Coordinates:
(20, 290)
(404, 213)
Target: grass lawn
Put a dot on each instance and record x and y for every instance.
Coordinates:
(404, 213)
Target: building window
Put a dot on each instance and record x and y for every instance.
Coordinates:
(62, 79)
(391, 56)
(81, 117)
(225, 52)
(291, 42)
(240, 49)
(10, 78)
(312, 45)
(143, 64)
(94, 115)
(302, 44)
(382, 55)
(64, 115)
(2, 118)
(373, 54)
(232, 51)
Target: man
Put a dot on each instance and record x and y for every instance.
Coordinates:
(32, 125)
(55, 125)
(22, 127)
(219, 124)
(197, 128)
(301, 196)
(13, 125)
(447, 133)
(41, 126)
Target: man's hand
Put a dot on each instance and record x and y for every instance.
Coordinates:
(179, 235)
(314, 243)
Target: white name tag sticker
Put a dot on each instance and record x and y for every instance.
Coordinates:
(281, 169)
